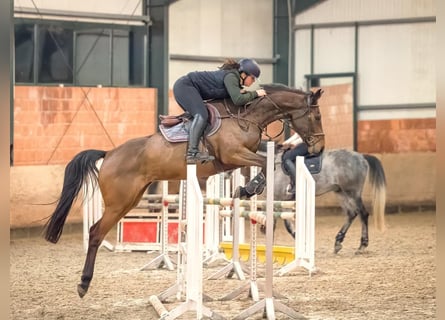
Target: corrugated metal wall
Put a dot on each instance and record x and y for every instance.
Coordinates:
(363, 10)
(220, 28)
(389, 44)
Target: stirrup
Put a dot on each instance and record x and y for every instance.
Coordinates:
(201, 157)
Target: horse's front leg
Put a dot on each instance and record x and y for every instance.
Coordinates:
(258, 183)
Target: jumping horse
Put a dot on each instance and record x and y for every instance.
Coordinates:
(343, 172)
(128, 169)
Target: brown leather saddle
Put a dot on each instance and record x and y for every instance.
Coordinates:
(176, 128)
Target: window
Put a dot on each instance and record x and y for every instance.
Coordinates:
(93, 57)
(78, 53)
(55, 55)
(24, 53)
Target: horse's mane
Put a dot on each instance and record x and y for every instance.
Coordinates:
(275, 87)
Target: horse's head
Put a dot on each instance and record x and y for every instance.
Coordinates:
(302, 110)
(313, 135)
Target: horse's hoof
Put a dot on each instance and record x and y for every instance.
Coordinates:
(241, 193)
(361, 250)
(81, 290)
(337, 247)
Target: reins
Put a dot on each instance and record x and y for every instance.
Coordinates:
(310, 139)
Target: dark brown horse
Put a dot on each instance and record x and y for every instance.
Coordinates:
(128, 169)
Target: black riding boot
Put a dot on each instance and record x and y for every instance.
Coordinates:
(196, 131)
(291, 171)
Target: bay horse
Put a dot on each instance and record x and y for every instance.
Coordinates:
(343, 172)
(128, 169)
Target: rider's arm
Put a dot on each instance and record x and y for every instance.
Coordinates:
(292, 141)
(231, 81)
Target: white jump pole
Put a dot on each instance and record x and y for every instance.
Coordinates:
(234, 266)
(92, 210)
(214, 189)
(194, 251)
(269, 303)
(304, 221)
(163, 258)
(252, 285)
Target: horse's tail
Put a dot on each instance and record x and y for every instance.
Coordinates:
(81, 168)
(378, 184)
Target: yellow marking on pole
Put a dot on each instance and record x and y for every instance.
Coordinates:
(280, 254)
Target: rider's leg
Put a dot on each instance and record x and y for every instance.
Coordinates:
(289, 166)
(190, 100)
(196, 130)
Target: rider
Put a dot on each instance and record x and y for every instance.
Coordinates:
(229, 81)
(294, 146)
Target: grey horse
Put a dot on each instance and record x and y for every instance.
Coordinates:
(343, 172)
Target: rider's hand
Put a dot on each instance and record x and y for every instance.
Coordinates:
(261, 92)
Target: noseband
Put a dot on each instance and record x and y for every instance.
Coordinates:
(310, 139)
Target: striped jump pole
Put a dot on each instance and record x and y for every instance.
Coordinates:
(234, 266)
(194, 260)
(269, 303)
(163, 258)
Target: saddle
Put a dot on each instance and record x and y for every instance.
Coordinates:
(176, 128)
(313, 163)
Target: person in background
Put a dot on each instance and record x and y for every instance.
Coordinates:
(294, 146)
(229, 81)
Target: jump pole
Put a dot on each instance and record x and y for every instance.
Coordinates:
(269, 303)
(163, 258)
(252, 285)
(234, 266)
(92, 210)
(304, 221)
(213, 233)
(193, 267)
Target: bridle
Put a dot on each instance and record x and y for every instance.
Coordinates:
(310, 139)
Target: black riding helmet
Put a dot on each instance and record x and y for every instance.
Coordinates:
(250, 67)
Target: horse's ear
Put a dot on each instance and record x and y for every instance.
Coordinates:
(316, 95)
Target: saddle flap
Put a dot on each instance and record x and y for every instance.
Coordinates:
(313, 163)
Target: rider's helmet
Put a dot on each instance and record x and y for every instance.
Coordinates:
(250, 67)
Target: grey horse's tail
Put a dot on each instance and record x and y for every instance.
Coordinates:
(377, 180)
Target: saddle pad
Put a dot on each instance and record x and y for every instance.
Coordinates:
(180, 132)
(313, 163)
(177, 133)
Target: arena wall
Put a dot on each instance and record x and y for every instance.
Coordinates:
(68, 122)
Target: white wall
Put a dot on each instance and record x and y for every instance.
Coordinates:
(220, 28)
(127, 7)
(395, 62)
(363, 10)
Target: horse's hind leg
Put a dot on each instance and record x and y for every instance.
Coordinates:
(364, 215)
(113, 212)
(96, 236)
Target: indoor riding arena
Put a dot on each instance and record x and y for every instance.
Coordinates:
(89, 76)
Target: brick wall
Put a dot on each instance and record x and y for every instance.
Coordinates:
(373, 136)
(52, 124)
(397, 136)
